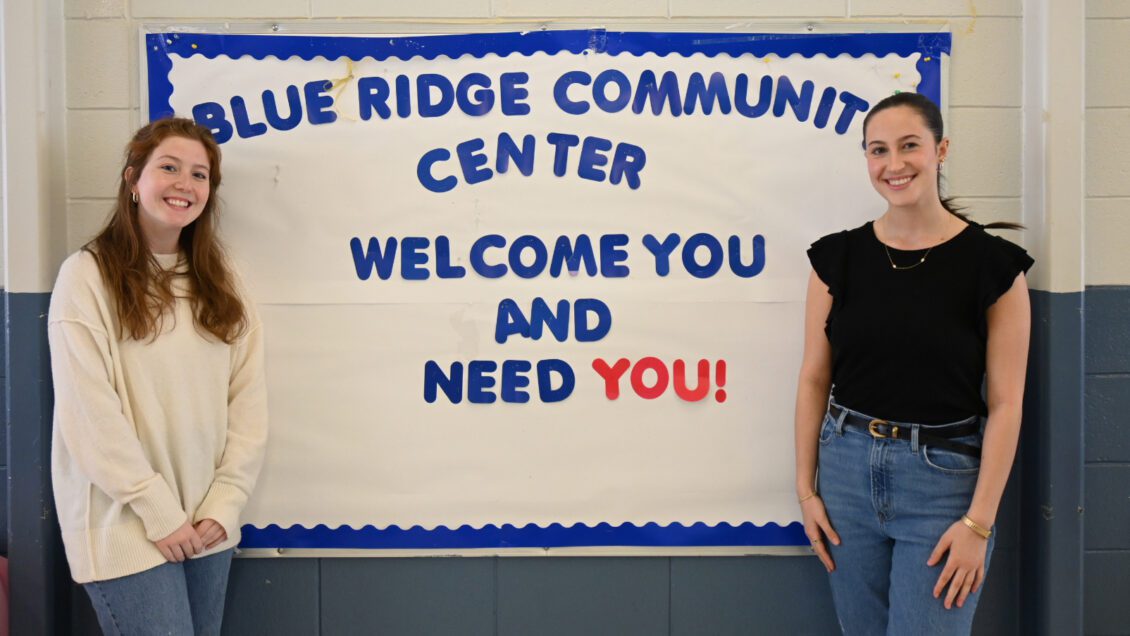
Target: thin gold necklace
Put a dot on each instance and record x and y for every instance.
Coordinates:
(902, 267)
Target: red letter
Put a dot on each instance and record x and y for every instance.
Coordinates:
(649, 393)
(700, 389)
(611, 375)
(720, 378)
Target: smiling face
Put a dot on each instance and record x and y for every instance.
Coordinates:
(902, 157)
(172, 191)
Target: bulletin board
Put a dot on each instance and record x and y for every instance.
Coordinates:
(536, 290)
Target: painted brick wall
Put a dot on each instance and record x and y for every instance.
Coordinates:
(1108, 135)
(1107, 381)
(1106, 585)
(3, 411)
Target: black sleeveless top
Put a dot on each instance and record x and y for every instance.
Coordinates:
(909, 345)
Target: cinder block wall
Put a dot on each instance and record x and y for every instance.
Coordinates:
(3, 413)
(3, 378)
(1107, 381)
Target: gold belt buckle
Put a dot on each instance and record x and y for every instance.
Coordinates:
(872, 428)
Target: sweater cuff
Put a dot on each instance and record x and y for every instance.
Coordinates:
(222, 503)
(159, 509)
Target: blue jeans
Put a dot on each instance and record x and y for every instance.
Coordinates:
(177, 599)
(890, 501)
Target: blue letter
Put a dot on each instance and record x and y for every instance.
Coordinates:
(512, 381)
(318, 104)
(364, 263)
(542, 316)
(444, 268)
(478, 381)
(271, 109)
(478, 264)
(424, 171)
(243, 126)
(668, 89)
(571, 255)
(211, 116)
(510, 321)
(452, 385)
(412, 257)
(508, 150)
(628, 161)
(561, 92)
(511, 92)
(786, 94)
(697, 90)
(824, 110)
(403, 96)
(741, 90)
(755, 267)
(611, 255)
(662, 251)
(372, 93)
(581, 328)
(562, 143)
(484, 98)
(472, 161)
(591, 157)
(852, 105)
(600, 86)
(712, 245)
(424, 84)
(545, 370)
(541, 255)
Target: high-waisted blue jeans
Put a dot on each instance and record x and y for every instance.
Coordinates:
(178, 599)
(890, 501)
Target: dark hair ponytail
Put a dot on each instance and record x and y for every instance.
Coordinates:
(932, 116)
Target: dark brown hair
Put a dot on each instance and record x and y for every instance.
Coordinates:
(141, 289)
(932, 116)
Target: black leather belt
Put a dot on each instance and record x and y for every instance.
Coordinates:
(939, 438)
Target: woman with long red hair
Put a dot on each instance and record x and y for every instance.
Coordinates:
(160, 399)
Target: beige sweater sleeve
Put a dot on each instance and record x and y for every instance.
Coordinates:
(88, 410)
(246, 433)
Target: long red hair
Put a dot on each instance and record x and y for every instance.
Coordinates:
(142, 290)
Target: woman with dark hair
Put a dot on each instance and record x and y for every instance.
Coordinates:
(901, 461)
(160, 400)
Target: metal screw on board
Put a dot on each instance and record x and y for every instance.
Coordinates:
(275, 28)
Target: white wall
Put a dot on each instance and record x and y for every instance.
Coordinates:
(31, 117)
(1108, 144)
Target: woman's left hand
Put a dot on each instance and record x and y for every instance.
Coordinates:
(965, 566)
(211, 533)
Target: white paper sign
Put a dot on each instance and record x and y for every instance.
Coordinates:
(533, 290)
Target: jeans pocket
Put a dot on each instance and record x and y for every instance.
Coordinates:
(948, 461)
(827, 429)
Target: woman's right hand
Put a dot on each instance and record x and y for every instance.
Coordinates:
(819, 530)
(181, 544)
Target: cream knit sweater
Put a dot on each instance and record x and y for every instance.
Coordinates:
(150, 433)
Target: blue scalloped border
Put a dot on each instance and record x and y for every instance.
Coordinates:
(530, 536)
(161, 46)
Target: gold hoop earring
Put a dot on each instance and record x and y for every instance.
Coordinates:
(133, 196)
